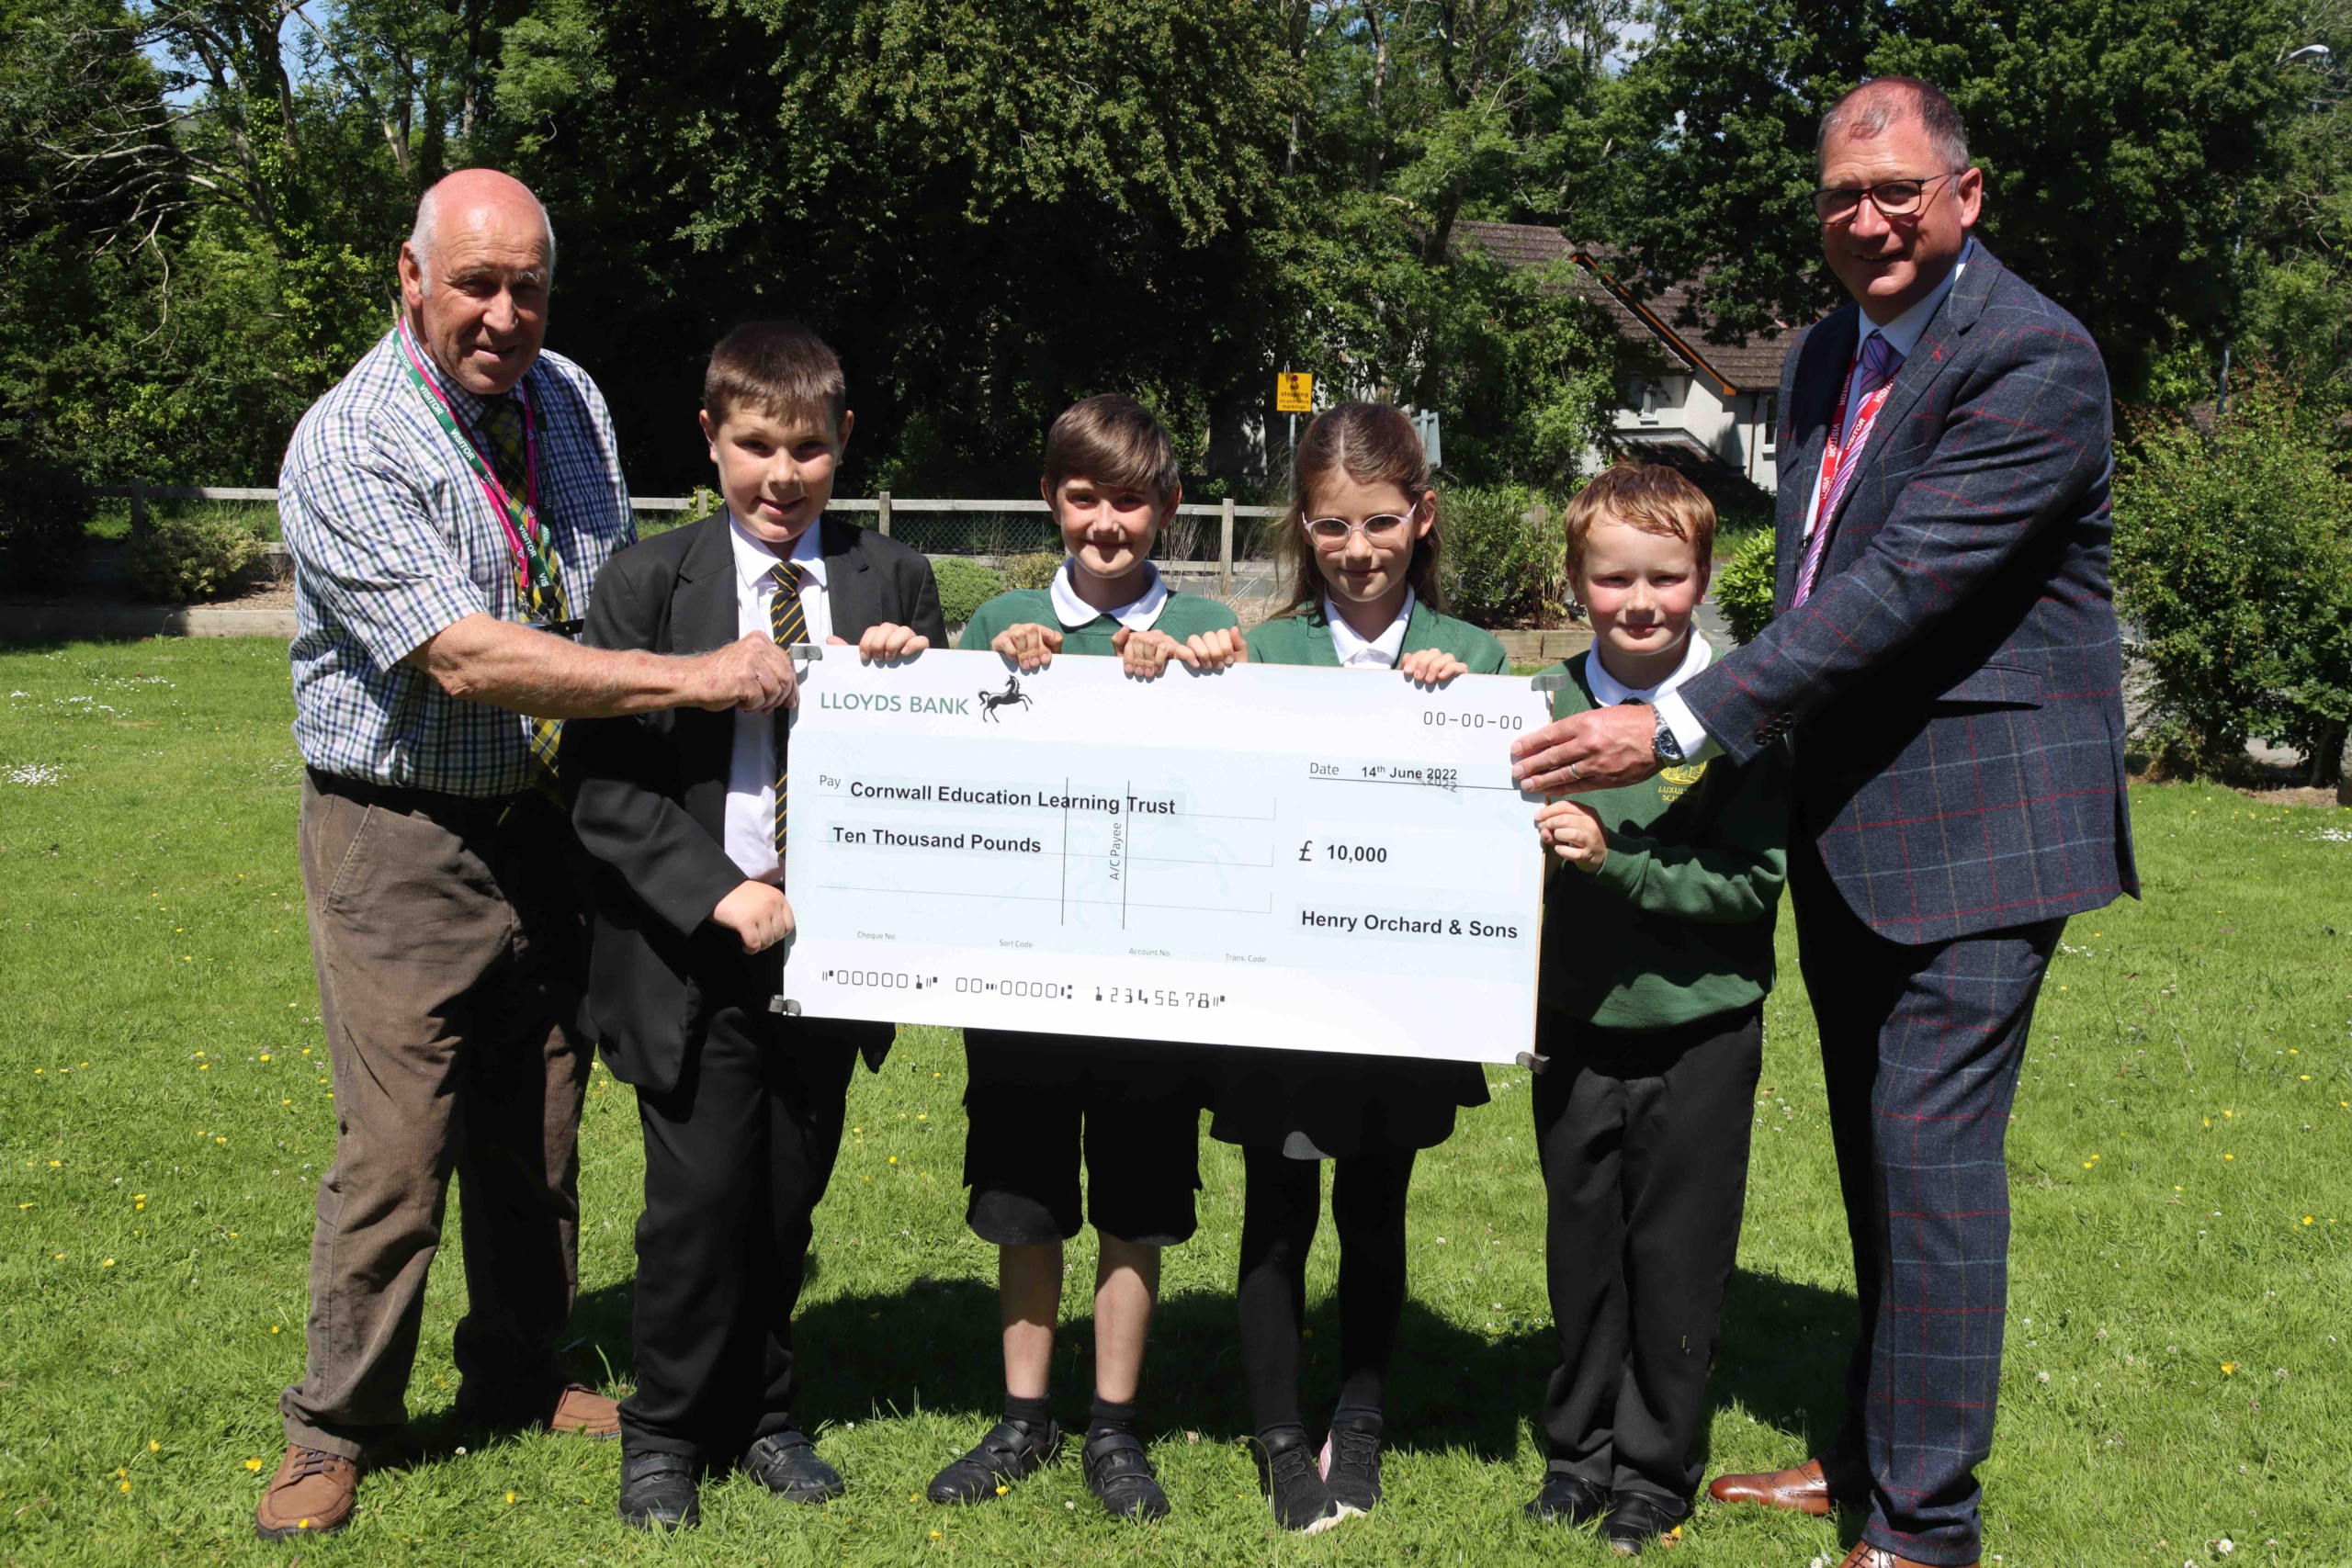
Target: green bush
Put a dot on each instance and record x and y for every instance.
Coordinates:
(1743, 586)
(200, 556)
(2233, 570)
(42, 512)
(1035, 569)
(1505, 562)
(964, 587)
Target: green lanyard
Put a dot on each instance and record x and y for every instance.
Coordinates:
(536, 572)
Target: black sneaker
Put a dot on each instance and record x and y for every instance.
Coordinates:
(787, 1463)
(1637, 1519)
(1122, 1477)
(658, 1492)
(1351, 1462)
(1011, 1452)
(1569, 1499)
(1286, 1474)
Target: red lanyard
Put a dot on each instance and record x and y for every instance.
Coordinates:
(1836, 455)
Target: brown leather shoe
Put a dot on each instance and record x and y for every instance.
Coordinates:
(1865, 1555)
(582, 1412)
(1807, 1489)
(313, 1494)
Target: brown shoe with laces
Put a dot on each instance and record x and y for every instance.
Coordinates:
(313, 1494)
(1865, 1555)
(582, 1412)
(1807, 1489)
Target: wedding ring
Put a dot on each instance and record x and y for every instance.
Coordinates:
(1573, 774)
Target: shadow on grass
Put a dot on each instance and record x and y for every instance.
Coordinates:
(933, 1347)
(1784, 1353)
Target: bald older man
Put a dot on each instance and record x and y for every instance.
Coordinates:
(1945, 668)
(448, 505)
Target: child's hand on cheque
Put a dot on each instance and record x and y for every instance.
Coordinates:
(1571, 830)
(1145, 654)
(757, 912)
(885, 643)
(1029, 645)
(1430, 667)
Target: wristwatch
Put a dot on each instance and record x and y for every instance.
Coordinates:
(1663, 743)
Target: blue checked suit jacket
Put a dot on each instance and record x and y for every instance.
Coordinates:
(1953, 690)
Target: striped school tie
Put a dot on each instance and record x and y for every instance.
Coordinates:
(1881, 362)
(501, 428)
(789, 624)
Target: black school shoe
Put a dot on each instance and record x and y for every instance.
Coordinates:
(1636, 1520)
(658, 1492)
(787, 1464)
(1351, 1461)
(1011, 1452)
(1569, 1499)
(1287, 1475)
(1122, 1477)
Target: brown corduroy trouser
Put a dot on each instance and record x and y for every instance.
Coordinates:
(449, 938)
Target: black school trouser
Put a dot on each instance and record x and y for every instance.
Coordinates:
(736, 1158)
(1644, 1139)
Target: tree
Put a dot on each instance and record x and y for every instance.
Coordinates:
(2233, 561)
(2118, 144)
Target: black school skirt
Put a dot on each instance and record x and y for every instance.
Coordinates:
(1332, 1105)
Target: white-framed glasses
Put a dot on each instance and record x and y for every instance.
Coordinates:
(1387, 528)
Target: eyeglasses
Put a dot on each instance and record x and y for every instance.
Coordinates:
(1893, 198)
(1385, 529)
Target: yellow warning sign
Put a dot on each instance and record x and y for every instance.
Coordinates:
(1294, 392)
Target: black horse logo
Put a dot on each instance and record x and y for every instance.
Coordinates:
(991, 700)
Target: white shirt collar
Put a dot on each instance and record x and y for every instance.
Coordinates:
(1904, 333)
(1607, 691)
(1356, 651)
(1136, 615)
(754, 558)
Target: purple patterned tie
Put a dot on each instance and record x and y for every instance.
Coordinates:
(1880, 362)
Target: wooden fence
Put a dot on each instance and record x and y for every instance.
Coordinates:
(884, 505)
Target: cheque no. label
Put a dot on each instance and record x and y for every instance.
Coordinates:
(1274, 856)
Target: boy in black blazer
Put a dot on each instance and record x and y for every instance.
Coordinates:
(741, 1107)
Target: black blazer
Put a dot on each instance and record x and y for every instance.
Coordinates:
(649, 792)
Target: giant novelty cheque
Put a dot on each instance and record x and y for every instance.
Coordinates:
(1227, 858)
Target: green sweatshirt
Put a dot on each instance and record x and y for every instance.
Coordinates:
(1183, 615)
(1305, 639)
(1697, 852)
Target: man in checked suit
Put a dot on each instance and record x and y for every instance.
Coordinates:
(1945, 666)
(742, 1109)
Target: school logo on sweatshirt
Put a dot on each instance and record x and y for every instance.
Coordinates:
(1010, 696)
(1675, 783)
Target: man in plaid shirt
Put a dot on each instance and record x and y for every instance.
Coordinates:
(448, 505)
(1945, 666)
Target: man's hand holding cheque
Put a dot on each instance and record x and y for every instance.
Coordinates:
(1604, 748)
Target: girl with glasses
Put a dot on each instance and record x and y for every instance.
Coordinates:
(1360, 547)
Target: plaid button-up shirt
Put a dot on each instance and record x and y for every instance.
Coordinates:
(394, 542)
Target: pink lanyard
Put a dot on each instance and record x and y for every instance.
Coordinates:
(1836, 455)
(529, 568)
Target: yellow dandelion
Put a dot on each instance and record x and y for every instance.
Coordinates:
(126, 1486)
(154, 1446)
(55, 1163)
(264, 1056)
(2229, 1156)
(273, 1327)
(510, 1499)
(2229, 1369)
(894, 1159)
(108, 1264)
(934, 1535)
(252, 1464)
(2307, 1219)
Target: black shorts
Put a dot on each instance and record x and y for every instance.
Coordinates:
(1039, 1105)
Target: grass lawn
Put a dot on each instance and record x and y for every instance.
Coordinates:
(2183, 1182)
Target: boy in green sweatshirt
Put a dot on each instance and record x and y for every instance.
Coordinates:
(1657, 953)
